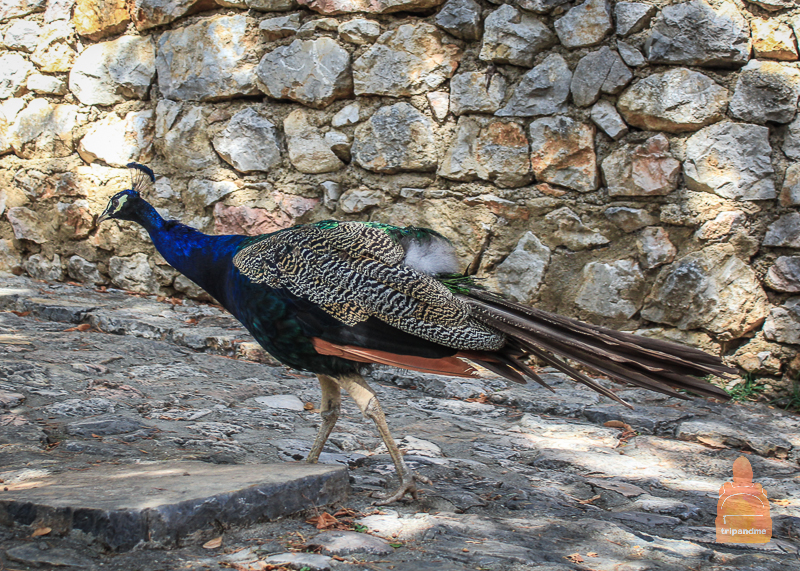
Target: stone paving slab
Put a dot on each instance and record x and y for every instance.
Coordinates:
(161, 503)
(521, 478)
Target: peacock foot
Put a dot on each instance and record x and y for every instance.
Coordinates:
(408, 485)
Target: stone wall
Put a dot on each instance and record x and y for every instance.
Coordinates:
(628, 163)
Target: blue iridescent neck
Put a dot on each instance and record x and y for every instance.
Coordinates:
(204, 259)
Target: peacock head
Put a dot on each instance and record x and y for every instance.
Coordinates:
(122, 206)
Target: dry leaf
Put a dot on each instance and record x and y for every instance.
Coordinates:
(590, 500)
(41, 531)
(614, 424)
(81, 327)
(214, 543)
(575, 558)
(323, 521)
(592, 554)
(713, 442)
(308, 406)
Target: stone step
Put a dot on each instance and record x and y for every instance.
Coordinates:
(159, 504)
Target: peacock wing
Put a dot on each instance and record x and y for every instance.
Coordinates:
(354, 271)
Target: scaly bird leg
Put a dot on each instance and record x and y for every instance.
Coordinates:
(329, 411)
(367, 401)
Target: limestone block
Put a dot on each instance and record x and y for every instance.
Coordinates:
(629, 219)
(791, 140)
(783, 323)
(55, 51)
(565, 228)
(358, 200)
(773, 5)
(773, 39)
(308, 152)
(439, 102)
(731, 160)
(605, 116)
(248, 220)
(148, 14)
(10, 257)
(16, 8)
(359, 31)
(118, 141)
(655, 248)
(784, 232)
(766, 91)
(598, 71)
(784, 274)
(84, 271)
(109, 72)
(46, 84)
(96, 19)
(282, 27)
(521, 274)
(203, 192)
(612, 290)
(496, 151)
(43, 130)
(75, 220)
(710, 289)
(333, 7)
(475, 92)
(211, 60)
(14, 72)
(642, 170)
(790, 193)
(675, 101)
(539, 6)
(22, 35)
(40, 268)
(249, 143)
(133, 273)
(695, 33)
(514, 37)
(58, 10)
(722, 225)
(630, 55)
(182, 136)
(408, 60)
(27, 225)
(585, 25)
(632, 17)
(347, 115)
(265, 5)
(312, 72)
(461, 18)
(396, 138)
(543, 90)
(562, 152)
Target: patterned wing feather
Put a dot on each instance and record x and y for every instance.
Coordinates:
(354, 271)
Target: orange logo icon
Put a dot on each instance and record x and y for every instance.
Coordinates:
(743, 508)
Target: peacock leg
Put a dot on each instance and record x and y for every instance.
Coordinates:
(329, 411)
(367, 401)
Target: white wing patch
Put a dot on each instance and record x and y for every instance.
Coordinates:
(432, 256)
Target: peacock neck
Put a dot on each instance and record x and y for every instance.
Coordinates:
(202, 258)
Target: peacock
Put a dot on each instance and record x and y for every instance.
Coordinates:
(334, 297)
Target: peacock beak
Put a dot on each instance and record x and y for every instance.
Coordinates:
(106, 214)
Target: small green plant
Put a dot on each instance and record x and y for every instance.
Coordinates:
(748, 390)
(791, 402)
(360, 528)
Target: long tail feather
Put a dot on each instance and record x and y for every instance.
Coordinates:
(653, 364)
